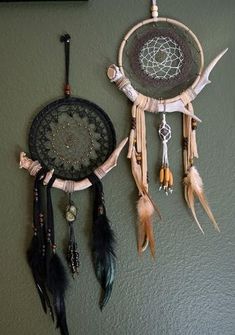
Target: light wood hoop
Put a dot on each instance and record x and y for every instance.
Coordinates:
(174, 22)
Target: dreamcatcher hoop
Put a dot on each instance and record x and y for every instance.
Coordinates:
(173, 22)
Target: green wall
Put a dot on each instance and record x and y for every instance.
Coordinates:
(190, 288)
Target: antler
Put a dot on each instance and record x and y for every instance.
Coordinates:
(68, 185)
(204, 80)
(115, 74)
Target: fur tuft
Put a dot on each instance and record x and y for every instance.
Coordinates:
(195, 180)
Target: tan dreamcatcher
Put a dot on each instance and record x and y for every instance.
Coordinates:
(161, 70)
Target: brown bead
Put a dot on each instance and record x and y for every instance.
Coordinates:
(194, 124)
(185, 143)
(67, 90)
(138, 158)
(167, 174)
(171, 179)
(161, 175)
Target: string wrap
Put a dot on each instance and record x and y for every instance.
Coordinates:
(165, 160)
(166, 175)
(165, 135)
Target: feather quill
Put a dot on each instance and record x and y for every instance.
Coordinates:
(145, 228)
(103, 242)
(194, 187)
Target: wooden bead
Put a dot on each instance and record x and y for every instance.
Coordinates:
(167, 174)
(154, 10)
(171, 180)
(67, 90)
(161, 175)
(194, 124)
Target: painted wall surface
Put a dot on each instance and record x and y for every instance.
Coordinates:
(190, 288)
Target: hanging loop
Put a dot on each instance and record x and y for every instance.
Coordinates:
(66, 40)
(154, 9)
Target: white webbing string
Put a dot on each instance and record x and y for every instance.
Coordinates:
(165, 161)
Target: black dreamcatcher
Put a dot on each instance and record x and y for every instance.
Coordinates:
(73, 136)
(72, 146)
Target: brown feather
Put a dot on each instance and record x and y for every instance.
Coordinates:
(194, 186)
(191, 201)
(207, 209)
(145, 228)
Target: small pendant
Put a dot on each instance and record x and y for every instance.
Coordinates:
(165, 176)
(72, 256)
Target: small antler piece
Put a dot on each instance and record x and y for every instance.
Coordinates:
(34, 166)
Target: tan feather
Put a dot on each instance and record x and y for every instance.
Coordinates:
(194, 186)
(186, 186)
(145, 229)
(136, 172)
(191, 202)
(207, 209)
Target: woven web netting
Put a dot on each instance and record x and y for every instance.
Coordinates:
(161, 59)
(72, 136)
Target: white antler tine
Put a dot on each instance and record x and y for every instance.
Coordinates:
(204, 80)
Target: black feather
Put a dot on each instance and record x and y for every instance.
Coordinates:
(36, 263)
(35, 253)
(103, 256)
(56, 279)
(57, 284)
(103, 243)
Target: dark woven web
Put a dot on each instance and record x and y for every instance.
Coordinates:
(72, 136)
(161, 60)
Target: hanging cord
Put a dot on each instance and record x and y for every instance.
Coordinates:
(154, 9)
(66, 40)
(72, 250)
(166, 176)
(36, 251)
(56, 278)
(138, 154)
(50, 218)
